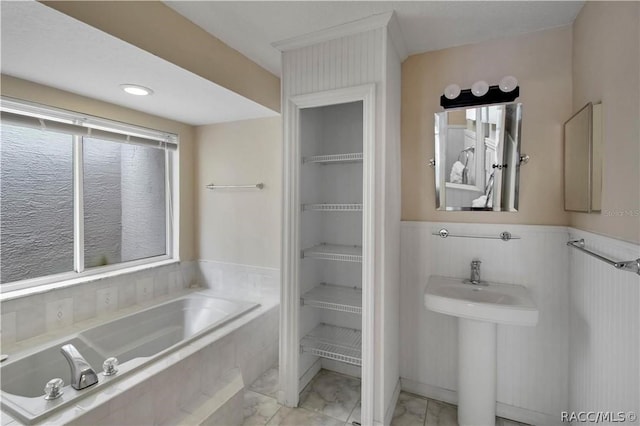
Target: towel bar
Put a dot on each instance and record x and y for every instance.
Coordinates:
(255, 186)
(628, 265)
(504, 236)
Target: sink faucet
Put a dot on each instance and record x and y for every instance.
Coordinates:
(82, 375)
(475, 272)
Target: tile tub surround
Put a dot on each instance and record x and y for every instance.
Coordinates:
(182, 384)
(28, 316)
(410, 410)
(234, 280)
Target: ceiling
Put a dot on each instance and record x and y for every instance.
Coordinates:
(48, 47)
(250, 27)
(45, 46)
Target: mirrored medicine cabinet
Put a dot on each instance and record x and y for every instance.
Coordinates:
(477, 157)
(583, 160)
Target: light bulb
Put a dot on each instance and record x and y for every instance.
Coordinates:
(508, 83)
(135, 89)
(480, 88)
(452, 91)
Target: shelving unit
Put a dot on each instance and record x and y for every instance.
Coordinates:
(330, 236)
(341, 136)
(332, 342)
(338, 253)
(328, 207)
(334, 297)
(354, 157)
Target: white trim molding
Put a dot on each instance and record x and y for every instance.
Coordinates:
(502, 410)
(355, 27)
(290, 295)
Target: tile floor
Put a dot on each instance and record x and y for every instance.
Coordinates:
(332, 399)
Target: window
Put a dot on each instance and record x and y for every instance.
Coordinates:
(80, 195)
(36, 203)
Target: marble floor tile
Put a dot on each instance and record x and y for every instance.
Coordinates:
(355, 414)
(299, 416)
(258, 409)
(267, 384)
(506, 422)
(441, 414)
(331, 394)
(410, 410)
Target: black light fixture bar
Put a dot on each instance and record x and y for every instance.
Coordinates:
(493, 96)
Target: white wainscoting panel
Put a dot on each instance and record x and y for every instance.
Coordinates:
(343, 62)
(605, 328)
(533, 362)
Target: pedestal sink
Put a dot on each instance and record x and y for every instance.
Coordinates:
(479, 309)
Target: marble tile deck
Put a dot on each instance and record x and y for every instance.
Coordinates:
(267, 384)
(333, 399)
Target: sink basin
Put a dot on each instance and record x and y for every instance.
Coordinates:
(498, 303)
(479, 309)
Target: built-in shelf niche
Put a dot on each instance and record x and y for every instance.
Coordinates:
(333, 342)
(334, 297)
(332, 193)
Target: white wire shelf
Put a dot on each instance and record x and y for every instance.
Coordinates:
(328, 207)
(335, 252)
(338, 343)
(334, 297)
(353, 157)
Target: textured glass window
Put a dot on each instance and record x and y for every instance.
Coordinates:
(124, 202)
(36, 203)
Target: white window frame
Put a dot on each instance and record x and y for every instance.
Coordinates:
(81, 274)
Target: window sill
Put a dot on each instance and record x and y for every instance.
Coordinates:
(67, 283)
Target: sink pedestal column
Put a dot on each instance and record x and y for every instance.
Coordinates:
(477, 348)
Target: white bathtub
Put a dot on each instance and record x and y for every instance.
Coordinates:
(135, 340)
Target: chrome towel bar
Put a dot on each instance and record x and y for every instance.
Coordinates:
(255, 186)
(629, 265)
(504, 236)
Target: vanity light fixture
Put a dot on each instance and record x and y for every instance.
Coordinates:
(135, 89)
(452, 91)
(508, 83)
(481, 93)
(480, 88)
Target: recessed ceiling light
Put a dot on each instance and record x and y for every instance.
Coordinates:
(135, 89)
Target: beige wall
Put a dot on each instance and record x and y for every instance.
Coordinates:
(606, 68)
(160, 30)
(542, 63)
(239, 226)
(33, 92)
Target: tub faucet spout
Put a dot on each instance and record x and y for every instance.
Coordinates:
(82, 375)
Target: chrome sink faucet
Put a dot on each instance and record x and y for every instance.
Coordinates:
(475, 272)
(82, 375)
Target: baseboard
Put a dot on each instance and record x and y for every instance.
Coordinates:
(388, 416)
(510, 412)
(309, 374)
(429, 391)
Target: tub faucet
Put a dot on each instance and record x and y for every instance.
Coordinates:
(475, 272)
(82, 375)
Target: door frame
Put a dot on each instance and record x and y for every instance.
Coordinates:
(290, 291)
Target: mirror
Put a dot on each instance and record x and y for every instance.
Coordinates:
(583, 160)
(477, 158)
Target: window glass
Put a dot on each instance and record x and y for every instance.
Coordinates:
(124, 202)
(36, 203)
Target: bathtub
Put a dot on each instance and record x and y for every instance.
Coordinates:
(136, 340)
